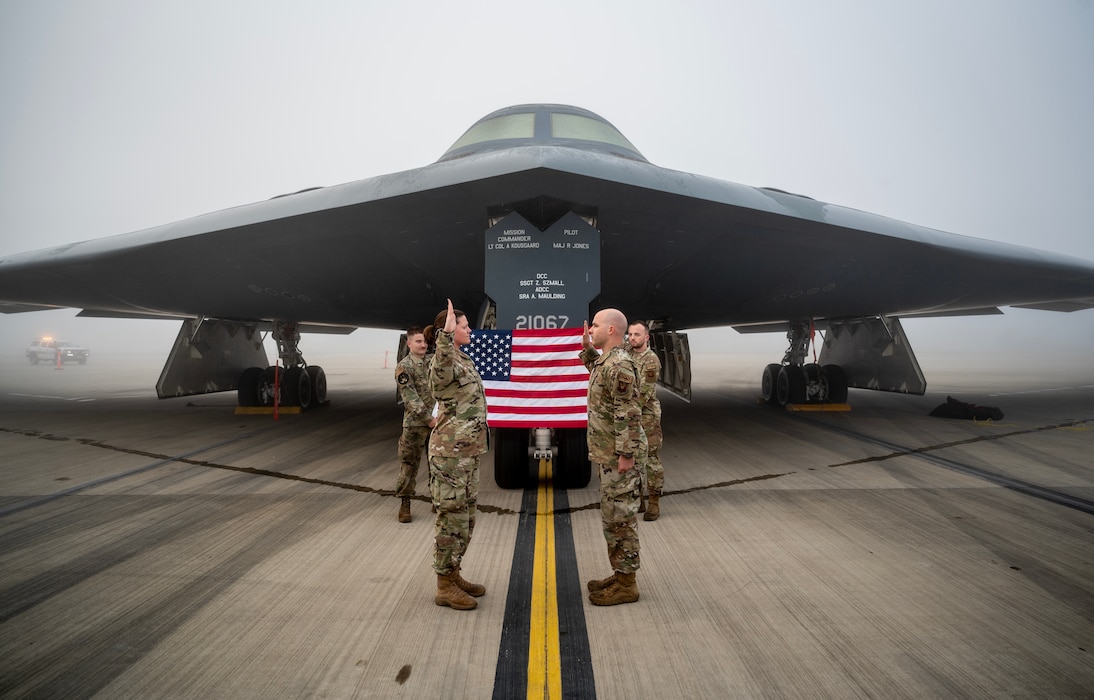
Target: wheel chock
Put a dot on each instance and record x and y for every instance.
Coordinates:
(819, 407)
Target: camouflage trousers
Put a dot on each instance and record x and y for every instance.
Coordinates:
(653, 472)
(454, 485)
(412, 444)
(619, 495)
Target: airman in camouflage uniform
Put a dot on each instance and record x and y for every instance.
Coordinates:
(649, 367)
(616, 441)
(412, 381)
(458, 438)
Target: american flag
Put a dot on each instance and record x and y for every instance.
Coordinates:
(532, 378)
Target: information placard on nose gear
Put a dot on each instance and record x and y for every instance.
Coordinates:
(542, 279)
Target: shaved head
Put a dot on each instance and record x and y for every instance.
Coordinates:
(608, 328)
(615, 318)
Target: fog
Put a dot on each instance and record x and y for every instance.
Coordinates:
(106, 336)
(1057, 346)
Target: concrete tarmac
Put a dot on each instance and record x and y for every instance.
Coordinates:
(173, 549)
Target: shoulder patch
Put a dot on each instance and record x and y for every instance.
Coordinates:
(651, 374)
(402, 376)
(624, 381)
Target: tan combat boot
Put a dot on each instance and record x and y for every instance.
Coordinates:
(601, 584)
(623, 590)
(642, 504)
(653, 511)
(404, 511)
(473, 589)
(450, 594)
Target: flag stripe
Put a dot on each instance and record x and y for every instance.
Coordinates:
(533, 335)
(532, 364)
(546, 393)
(570, 411)
(556, 421)
(566, 402)
(568, 348)
(539, 387)
(536, 374)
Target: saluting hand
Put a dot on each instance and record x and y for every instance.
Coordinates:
(586, 342)
(450, 319)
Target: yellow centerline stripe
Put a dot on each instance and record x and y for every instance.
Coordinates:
(544, 669)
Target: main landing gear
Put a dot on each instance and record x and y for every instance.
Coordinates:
(298, 383)
(796, 382)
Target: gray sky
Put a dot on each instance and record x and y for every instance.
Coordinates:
(972, 116)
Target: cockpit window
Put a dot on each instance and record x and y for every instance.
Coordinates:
(509, 126)
(575, 126)
(542, 125)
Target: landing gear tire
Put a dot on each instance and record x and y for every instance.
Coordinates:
(250, 390)
(318, 385)
(825, 384)
(573, 469)
(837, 383)
(512, 469)
(816, 384)
(790, 386)
(296, 388)
(275, 379)
(768, 383)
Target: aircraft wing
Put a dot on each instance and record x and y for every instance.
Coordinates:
(687, 250)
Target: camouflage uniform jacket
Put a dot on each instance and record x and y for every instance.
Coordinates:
(649, 367)
(615, 426)
(461, 418)
(412, 380)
